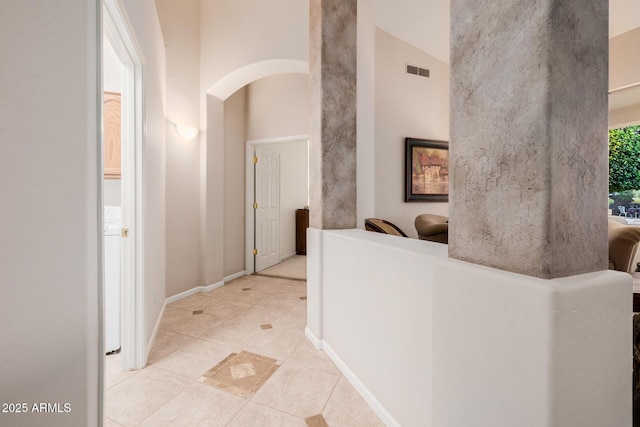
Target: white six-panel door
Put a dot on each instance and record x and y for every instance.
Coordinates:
(267, 208)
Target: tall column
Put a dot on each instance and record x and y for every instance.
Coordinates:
(332, 153)
(529, 135)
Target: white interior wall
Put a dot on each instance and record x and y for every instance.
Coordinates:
(405, 106)
(236, 45)
(212, 193)
(50, 219)
(624, 70)
(180, 23)
(623, 117)
(423, 24)
(624, 63)
(232, 38)
(38, 262)
(234, 182)
(278, 106)
(111, 82)
(365, 132)
(469, 345)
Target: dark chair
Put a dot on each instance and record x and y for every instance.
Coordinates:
(382, 226)
(434, 228)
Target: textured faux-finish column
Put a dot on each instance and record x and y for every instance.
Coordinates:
(332, 153)
(529, 135)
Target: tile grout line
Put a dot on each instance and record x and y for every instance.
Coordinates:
(330, 395)
(285, 290)
(165, 403)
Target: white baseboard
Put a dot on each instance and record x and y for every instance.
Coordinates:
(152, 340)
(315, 341)
(235, 276)
(371, 400)
(192, 291)
(212, 286)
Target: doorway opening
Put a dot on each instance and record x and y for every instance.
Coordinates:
(276, 187)
(123, 122)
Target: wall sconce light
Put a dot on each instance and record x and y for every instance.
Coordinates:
(187, 132)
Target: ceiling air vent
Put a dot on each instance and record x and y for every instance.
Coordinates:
(417, 71)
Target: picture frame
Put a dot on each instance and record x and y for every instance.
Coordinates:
(426, 170)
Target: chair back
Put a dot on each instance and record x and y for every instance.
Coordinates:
(623, 246)
(381, 226)
(434, 228)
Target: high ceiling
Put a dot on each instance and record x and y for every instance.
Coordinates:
(425, 23)
(624, 15)
(421, 23)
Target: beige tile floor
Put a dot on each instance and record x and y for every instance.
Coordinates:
(305, 389)
(294, 267)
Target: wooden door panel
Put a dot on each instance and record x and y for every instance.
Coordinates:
(112, 135)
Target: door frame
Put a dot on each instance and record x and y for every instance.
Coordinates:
(117, 29)
(249, 265)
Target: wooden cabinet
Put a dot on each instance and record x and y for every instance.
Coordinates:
(112, 135)
(302, 223)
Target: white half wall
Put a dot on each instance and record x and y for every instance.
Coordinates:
(405, 106)
(469, 345)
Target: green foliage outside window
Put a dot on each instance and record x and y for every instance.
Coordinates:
(624, 159)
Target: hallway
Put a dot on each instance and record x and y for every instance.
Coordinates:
(236, 356)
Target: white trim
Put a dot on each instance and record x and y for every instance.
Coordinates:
(234, 276)
(117, 9)
(280, 140)
(632, 85)
(315, 341)
(232, 82)
(213, 286)
(154, 334)
(249, 265)
(369, 397)
(99, 141)
(193, 291)
(117, 29)
(249, 231)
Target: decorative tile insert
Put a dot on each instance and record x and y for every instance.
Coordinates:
(316, 421)
(198, 312)
(241, 373)
(267, 326)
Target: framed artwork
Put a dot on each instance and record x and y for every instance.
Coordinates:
(426, 170)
